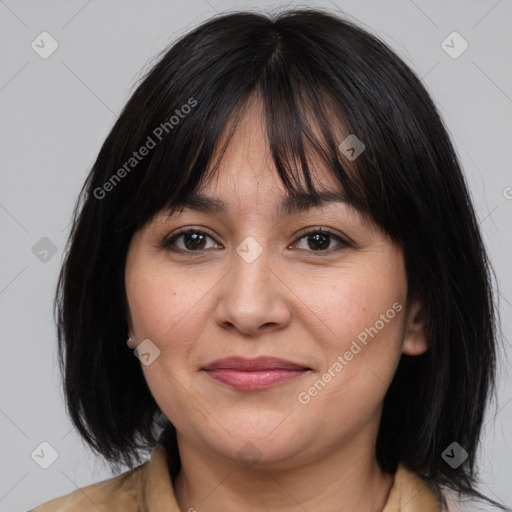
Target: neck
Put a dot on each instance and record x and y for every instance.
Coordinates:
(344, 480)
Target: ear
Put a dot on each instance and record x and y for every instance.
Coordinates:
(415, 340)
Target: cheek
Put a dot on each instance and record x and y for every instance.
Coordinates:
(170, 308)
(353, 303)
(362, 317)
(153, 304)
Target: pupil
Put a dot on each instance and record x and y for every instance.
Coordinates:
(196, 240)
(324, 244)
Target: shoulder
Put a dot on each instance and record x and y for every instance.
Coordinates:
(119, 493)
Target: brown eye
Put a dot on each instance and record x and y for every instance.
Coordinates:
(320, 240)
(192, 240)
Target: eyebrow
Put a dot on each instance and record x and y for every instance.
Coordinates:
(290, 205)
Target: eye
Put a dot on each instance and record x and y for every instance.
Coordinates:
(193, 240)
(320, 240)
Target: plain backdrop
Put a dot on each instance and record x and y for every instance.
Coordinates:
(56, 112)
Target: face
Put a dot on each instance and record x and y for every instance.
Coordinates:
(320, 289)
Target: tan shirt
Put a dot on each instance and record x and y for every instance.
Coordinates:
(148, 488)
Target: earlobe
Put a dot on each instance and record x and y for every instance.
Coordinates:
(130, 341)
(415, 339)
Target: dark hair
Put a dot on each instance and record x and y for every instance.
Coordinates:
(314, 73)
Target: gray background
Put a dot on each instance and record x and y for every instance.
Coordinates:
(56, 112)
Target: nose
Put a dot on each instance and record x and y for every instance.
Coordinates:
(254, 299)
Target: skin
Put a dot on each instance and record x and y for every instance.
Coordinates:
(292, 302)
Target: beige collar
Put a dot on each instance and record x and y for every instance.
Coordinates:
(410, 494)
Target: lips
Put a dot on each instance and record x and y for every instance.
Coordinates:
(254, 374)
(259, 363)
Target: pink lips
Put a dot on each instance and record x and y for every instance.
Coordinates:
(253, 374)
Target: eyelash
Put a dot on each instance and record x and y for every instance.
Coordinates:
(169, 243)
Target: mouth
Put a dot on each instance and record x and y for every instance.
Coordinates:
(254, 374)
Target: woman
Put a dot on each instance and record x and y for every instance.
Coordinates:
(279, 224)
